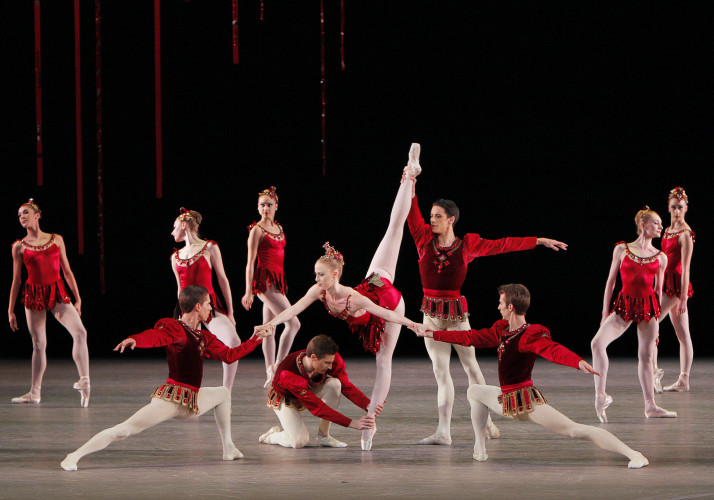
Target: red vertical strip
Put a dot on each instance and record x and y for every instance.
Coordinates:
(322, 82)
(235, 31)
(342, 35)
(157, 95)
(38, 92)
(100, 167)
(262, 11)
(78, 121)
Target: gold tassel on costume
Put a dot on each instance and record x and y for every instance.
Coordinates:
(521, 401)
(179, 395)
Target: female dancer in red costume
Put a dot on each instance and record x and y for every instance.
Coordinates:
(266, 279)
(44, 254)
(374, 301)
(641, 268)
(192, 265)
(677, 244)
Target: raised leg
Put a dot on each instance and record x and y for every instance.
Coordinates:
(552, 419)
(610, 329)
(482, 398)
(154, 413)
(221, 327)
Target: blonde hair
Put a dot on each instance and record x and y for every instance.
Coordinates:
(332, 258)
(191, 218)
(643, 217)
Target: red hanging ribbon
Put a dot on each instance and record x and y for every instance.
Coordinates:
(157, 95)
(322, 83)
(235, 31)
(38, 92)
(342, 35)
(78, 121)
(100, 167)
(262, 12)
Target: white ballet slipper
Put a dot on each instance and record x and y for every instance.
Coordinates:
(492, 431)
(270, 372)
(233, 454)
(265, 435)
(638, 462)
(413, 167)
(480, 457)
(330, 442)
(83, 386)
(25, 399)
(600, 411)
(69, 463)
(435, 439)
(679, 385)
(654, 411)
(366, 439)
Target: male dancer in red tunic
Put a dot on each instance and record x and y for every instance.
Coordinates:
(314, 379)
(518, 346)
(443, 262)
(181, 396)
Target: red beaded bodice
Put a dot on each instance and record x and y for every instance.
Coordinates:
(638, 273)
(42, 262)
(195, 270)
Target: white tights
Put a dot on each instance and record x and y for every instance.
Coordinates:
(221, 327)
(295, 433)
(680, 322)
(484, 398)
(67, 315)
(611, 329)
(274, 303)
(157, 411)
(440, 354)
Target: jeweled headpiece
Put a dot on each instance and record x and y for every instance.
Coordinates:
(271, 191)
(678, 193)
(331, 253)
(186, 215)
(31, 203)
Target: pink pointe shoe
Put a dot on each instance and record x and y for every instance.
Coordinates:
(413, 168)
(681, 385)
(82, 385)
(601, 405)
(366, 439)
(658, 374)
(26, 399)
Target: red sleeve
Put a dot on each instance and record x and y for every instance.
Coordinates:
(165, 332)
(537, 340)
(350, 391)
(487, 337)
(475, 246)
(298, 387)
(421, 232)
(215, 349)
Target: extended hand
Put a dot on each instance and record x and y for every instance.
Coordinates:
(378, 409)
(127, 342)
(552, 244)
(587, 368)
(247, 300)
(366, 422)
(268, 328)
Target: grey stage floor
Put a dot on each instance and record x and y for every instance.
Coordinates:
(182, 459)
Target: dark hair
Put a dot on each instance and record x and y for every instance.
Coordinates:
(190, 296)
(321, 346)
(449, 207)
(516, 294)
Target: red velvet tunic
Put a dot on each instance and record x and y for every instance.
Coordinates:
(443, 270)
(516, 352)
(370, 328)
(673, 272)
(269, 263)
(637, 300)
(291, 386)
(44, 287)
(197, 272)
(186, 352)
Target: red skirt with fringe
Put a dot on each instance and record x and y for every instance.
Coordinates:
(637, 309)
(44, 297)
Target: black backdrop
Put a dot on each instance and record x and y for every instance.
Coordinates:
(556, 119)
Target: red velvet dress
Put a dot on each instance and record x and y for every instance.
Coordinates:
(291, 387)
(269, 263)
(443, 270)
(673, 272)
(185, 352)
(637, 300)
(196, 271)
(44, 287)
(370, 328)
(517, 352)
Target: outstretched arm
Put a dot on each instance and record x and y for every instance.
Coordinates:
(362, 302)
(311, 296)
(15, 287)
(253, 242)
(68, 274)
(552, 244)
(217, 262)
